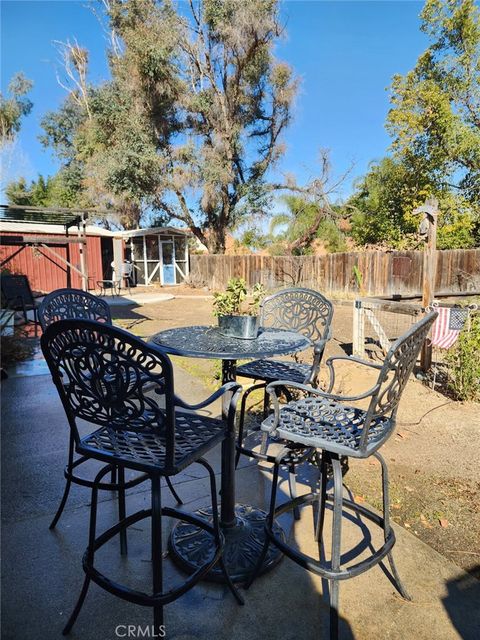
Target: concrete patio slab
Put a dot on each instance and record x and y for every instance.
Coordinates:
(127, 299)
(42, 573)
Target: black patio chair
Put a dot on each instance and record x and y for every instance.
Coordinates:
(304, 311)
(321, 420)
(114, 286)
(70, 304)
(104, 376)
(17, 295)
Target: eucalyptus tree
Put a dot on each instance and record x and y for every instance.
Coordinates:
(231, 101)
(14, 107)
(192, 118)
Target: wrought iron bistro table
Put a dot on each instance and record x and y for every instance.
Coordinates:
(242, 524)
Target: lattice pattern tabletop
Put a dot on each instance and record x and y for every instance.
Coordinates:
(208, 342)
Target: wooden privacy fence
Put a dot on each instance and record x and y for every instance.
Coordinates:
(381, 273)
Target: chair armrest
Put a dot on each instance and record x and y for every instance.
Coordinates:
(232, 387)
(353, 359)
(317, 392)
(319, 347)
(356, 360)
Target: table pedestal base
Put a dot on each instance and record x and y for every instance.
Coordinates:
(191, 547)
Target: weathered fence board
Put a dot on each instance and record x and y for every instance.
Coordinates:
(383, 273)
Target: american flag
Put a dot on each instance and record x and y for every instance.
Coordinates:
(447, 326)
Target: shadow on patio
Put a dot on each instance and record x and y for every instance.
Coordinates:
(42, 572)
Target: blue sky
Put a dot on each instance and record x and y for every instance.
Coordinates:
(345, 53)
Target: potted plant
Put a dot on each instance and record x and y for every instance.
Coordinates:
(236, 317)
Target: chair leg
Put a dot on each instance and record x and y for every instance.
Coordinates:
(122, 513)
(241, 422)
(157, 567)
(68, 484)
(292, 486)
(62, 504)
(336, 543)
(172, 490)
(266, 404)
(322, 497)
(386, 527)
(90, 552)
(270, 520)
(78, 606)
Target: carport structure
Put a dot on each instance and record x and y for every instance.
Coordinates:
(47, 245)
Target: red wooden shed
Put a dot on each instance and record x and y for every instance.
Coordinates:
(56, 255)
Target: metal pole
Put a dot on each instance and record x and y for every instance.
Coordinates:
(227, 506)
(69, 259)
(82, 233)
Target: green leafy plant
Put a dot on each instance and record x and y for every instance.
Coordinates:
(230, 302)
(358, 277)
(464, 362)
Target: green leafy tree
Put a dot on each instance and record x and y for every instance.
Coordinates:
(192, 119)
(383, 202)
(304, 221)
(435, 125)
(435, 114)
(51, 192)
(15, 107)
(81, 133)
(382, 206)
(232, 101)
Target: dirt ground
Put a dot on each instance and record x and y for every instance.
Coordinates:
(433, 458)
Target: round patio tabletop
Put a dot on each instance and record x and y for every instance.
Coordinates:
(208, 342)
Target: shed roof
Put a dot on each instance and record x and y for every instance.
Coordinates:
(18, 214)
(156, 230)
(52, 229)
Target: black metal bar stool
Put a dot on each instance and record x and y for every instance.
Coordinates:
(322, 420)
(296, 309)
(75, 304)
(102, 375)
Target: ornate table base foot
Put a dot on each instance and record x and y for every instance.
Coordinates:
(191, 547)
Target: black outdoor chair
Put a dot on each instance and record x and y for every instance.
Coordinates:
(71, 304)
(321, 420)
(17, 295)
(105, 376)
(304, 311)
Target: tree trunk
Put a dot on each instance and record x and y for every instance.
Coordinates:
(216, 240)
(130, 214)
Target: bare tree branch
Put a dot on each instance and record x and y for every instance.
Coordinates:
(74, 60)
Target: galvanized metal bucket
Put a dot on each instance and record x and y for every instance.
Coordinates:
(243, 327)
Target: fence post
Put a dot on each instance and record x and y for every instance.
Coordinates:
(429, 228)
(358, 346)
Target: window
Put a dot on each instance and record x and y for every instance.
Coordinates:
(152, 247)
(180, 248)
